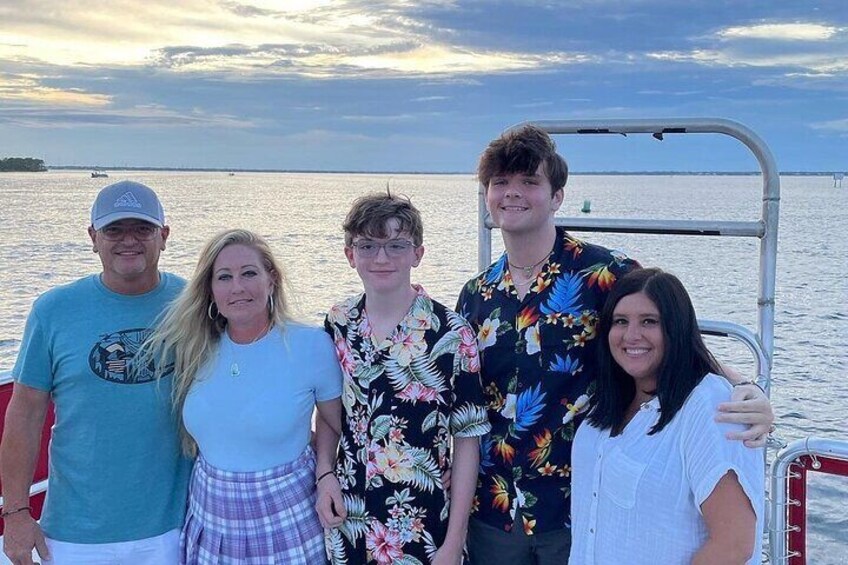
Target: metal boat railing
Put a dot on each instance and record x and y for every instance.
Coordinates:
(789, 492)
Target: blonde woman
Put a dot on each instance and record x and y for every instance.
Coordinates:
(247, 379)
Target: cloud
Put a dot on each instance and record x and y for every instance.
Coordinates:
(314, 39)
(239, 42)
(105, 33)
(671, 92)
(258, 69)
(29, 89)
(791, 48)
(393, 58)
(840, 125)
(389, 118)
(248, 10)
(824, 61)
(781, 32)
(149, 115)
(321, 137)
(819, 62)
(539, 104)
(430, 98)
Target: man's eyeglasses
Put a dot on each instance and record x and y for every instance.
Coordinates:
(141, 232)
(394, 248)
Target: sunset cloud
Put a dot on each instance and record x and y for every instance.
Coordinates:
(216, 79)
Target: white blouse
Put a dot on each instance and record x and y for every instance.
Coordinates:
(636, 498)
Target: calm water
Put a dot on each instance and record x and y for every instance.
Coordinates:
(44, 219)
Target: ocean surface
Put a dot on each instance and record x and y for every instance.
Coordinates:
(44, 243)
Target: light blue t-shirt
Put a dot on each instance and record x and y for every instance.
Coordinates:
(116, 469)
(251, 406)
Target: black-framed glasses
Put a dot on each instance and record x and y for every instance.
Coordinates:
(141, 232)
(394, 247)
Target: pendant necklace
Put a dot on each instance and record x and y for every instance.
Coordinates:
(234, 368)
(528, 269)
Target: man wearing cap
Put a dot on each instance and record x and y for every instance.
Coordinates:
(118, 482)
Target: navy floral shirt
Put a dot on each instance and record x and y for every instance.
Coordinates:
(537, 365)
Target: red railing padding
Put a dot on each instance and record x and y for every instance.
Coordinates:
(797, 513)
(36, 501)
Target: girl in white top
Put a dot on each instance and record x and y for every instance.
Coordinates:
(655, 480)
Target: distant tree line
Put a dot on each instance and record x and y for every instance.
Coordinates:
(22, 164)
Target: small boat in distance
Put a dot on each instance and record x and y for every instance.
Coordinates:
(98, 174)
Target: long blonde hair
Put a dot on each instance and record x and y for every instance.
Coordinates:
(187, 335)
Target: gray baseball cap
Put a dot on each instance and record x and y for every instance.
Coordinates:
(126, 199)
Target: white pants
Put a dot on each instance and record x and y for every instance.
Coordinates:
(159, 550)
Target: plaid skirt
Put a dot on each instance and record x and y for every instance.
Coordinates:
(263, 517)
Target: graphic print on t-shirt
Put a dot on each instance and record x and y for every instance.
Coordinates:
(111, 358)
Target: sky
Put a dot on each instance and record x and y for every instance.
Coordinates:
(374, 85)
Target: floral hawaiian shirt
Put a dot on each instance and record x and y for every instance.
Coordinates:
(538, 362)
(403, 399)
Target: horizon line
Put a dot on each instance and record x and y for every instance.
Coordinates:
(389, 172)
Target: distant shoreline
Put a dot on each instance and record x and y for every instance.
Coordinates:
(336, 172)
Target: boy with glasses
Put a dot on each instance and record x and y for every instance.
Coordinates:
(410, 383)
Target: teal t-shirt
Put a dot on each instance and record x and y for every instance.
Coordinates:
(116, 469)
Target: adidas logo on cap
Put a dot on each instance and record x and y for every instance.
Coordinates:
(126, 199)
(129, 200)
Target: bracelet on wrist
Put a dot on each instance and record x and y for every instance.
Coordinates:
(6, 513)
(322, 475)
(750, 382)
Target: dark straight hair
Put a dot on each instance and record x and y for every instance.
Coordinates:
(686, 359)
